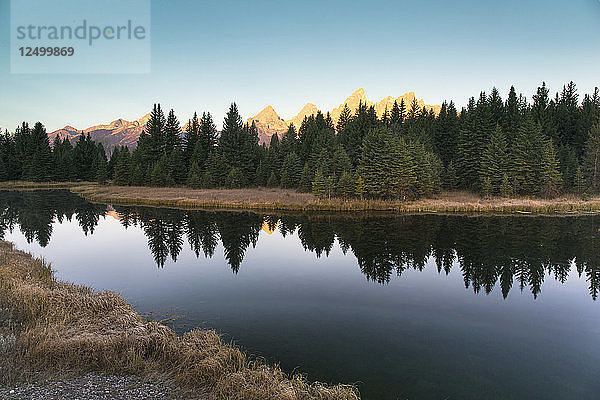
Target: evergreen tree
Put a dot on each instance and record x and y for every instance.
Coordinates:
(346, 185)
(428, 169)
(207, 180)
(395, 120)
(235, 179)
(361, 187)
(177, 166)
(274, 142)
(467, 157)
(579, 182)
(194, 176)
(329, 122)
(402, 111)
(476, 129)
(524, 154)
(289, 140)
(260, 178)
(494, 161)
(158, 176)
(344, 119)
(569, 164)
(535, 167)
(161, 174)
(231, 139)
(363, 122)
(272, 181)
(319, 185)
(122, 169)
(152, 142)
(85, 157)
(274, 158)
(550, 173)
(100, 156)
(190, 138)
(147, 174)
(206, 141)
(112, 162)
(137, 175)
(340, 162)
(450, 179)
(9, 157)
(251, 154)
(62, 153)
(487, 188)
(24, 151)
(512, 117)
(568, 120)
(589, 113)
(306, 179)
(496, 106)
(505, 187)
(592, 157)
(290, 174)
(102, 174)
(172, 140)
(3, 171)
(4, 144)
(330, 185)
(446, 133)
(543, 113)
(315, 135)
(387, 166)
(217, 169)
(385, 118)
(414, 112)
(238, 145)
(322, 160)
(40, 167)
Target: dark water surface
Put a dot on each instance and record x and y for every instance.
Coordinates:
(406, 307)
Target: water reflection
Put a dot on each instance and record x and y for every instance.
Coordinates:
(35, 212)
(510, 251)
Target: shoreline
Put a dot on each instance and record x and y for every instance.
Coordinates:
(276, 199)
(52, 330)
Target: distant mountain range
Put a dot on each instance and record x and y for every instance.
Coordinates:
(117, 133)
(268, 123)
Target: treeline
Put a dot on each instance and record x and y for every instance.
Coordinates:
(27, 155)
(493, 146)
(318, 157)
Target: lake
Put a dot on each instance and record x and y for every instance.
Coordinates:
(405, 307)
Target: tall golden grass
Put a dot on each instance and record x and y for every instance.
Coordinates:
(22, 185)
(273, 199)
(62, 328)
(276, 199)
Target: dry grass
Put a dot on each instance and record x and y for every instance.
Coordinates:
(60, 328)
(267, 199)
(275, 199)
(23, 185)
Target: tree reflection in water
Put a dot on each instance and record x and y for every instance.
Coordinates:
(510, 251)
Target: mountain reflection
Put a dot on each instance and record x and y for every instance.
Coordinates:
(508, 251)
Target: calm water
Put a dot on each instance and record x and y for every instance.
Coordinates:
(411, 307)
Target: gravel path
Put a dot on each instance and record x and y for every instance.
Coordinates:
(93, 387)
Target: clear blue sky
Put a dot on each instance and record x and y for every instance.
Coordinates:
(206, 54)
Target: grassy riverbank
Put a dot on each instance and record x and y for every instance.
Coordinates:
(275, 199)
(267, 199)
(23, 185)
(50, 329)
